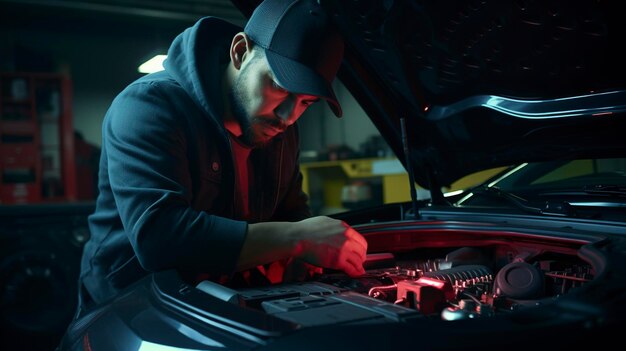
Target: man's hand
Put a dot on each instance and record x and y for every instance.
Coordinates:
(330, 243)
(320, 241)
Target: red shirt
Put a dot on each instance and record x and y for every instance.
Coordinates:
(243, 177)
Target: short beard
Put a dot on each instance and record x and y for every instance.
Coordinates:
(241, 116)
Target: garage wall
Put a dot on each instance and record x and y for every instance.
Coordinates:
(100, 62)
(101, 56)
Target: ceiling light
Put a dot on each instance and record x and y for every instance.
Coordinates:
(154, 64)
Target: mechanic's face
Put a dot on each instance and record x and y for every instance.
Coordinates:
(263, 108)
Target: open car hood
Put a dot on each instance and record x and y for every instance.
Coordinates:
(483, 84)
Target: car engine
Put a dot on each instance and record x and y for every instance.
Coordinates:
(460, 283)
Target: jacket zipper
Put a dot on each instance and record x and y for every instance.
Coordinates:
(280, 172)
(234, 176)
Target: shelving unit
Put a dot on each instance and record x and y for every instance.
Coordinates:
(36, 139)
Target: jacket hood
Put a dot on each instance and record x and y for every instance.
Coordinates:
(196, 60)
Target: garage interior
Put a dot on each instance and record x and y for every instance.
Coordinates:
(61, 64)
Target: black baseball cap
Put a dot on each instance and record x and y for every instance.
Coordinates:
(303, 48)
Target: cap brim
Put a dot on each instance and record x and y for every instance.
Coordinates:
(300, 79)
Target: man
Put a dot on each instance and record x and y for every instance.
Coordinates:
(199, 169)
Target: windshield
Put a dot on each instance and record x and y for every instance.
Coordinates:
(588, 188)
(559, 175)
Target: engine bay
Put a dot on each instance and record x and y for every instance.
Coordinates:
(440, 283)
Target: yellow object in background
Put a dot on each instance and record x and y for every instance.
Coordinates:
(329, 179)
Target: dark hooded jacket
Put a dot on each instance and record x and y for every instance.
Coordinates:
(166, 177)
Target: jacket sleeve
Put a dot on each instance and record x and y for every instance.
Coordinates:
(294, 205)
(146, 136)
